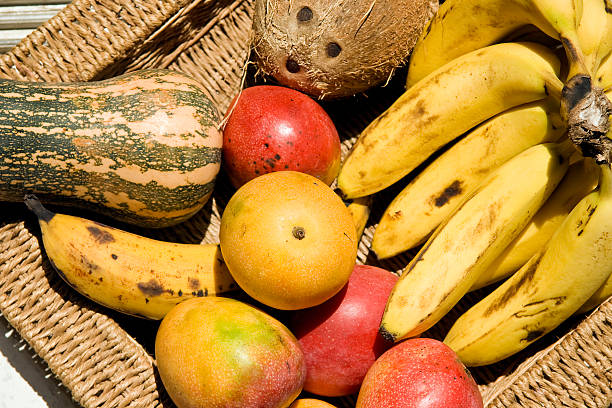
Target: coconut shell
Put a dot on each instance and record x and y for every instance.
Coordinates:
(338, 48)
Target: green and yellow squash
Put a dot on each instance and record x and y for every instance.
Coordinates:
(142, 148)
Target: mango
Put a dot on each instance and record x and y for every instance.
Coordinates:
(219, 352)
(310, 403)
(419, 373)
(288, 240)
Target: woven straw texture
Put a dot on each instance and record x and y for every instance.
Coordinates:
(106, 359)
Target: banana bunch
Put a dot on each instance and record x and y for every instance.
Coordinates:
(548, 289)
(511, 140)
(443, 106)
(127, 272)
(430, 197)
(479, 230)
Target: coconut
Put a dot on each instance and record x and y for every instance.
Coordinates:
(338, 48)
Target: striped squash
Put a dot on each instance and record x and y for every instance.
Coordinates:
(142, 148)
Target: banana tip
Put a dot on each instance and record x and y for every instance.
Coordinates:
(34, 205)
(386, 334)
(347, 201)
(342, 195)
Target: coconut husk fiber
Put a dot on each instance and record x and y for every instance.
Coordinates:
(106, 359)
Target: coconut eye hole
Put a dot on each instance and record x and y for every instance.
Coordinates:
(292, 66)
(305, 14)
(333, 49)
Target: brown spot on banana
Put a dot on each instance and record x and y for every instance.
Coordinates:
(418, 258)
(539, 306)
(194, 283)
(449, 192)
(583, 222)
(90, 267)
(526, 278)
(533, 335)
(396, 215)
(419, 109)
(152, 288)
(486, 222)
(100, 236)
(429, 120)
(200, 293)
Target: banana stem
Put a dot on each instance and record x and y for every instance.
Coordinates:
(34, 205)
(554, 86)
(567, 148)
(588, 117)
(575, 58)
(605, 182)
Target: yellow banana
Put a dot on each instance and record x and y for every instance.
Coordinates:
(564, 16)
(605, 45)
(603, 77)
(424, 203)
(600, 296)
(591, 32)
(471, 238)
(360, 211)
(581, 178)
(127, 272)
(462, 26)
(547, 290)
(444, 105)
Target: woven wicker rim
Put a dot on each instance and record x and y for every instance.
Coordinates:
(87, 347)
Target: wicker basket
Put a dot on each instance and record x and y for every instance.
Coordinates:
(104, 358)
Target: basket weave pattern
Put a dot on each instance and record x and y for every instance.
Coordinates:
(88, 347)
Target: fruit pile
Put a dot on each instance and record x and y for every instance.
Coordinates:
(503, 131)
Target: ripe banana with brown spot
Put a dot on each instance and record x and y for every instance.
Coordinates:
(428, 199)
(127, 272)
(471, 238)
(444, 105)
(552, 286)
(462, 26)
(581, 178)
(603, 77)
